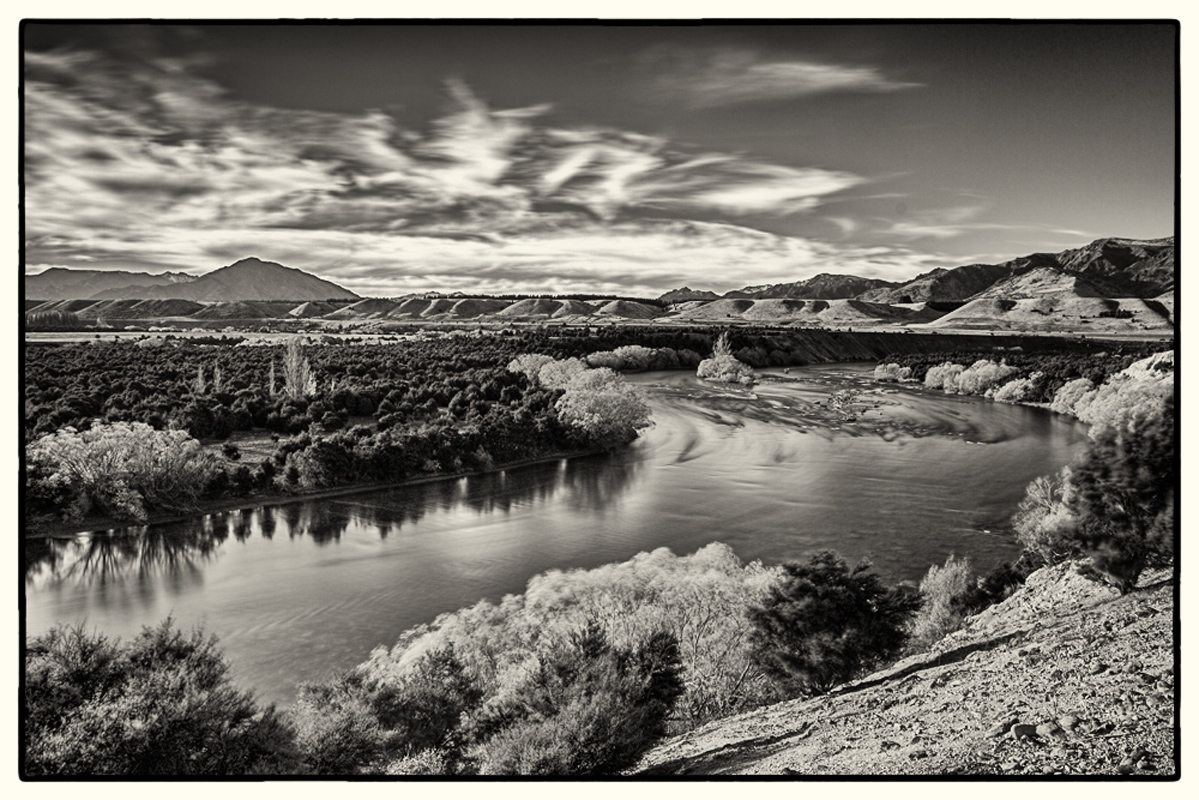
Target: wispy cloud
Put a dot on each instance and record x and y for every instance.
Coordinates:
(729, 76)
(153, 166)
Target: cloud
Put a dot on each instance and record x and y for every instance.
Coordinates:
(731, 76)
(147, 165)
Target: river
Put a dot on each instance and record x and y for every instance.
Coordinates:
(297, 590)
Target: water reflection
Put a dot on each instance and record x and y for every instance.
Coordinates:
(178, 551)
(132, 554)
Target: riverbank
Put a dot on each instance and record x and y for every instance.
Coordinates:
(64, 530)
(1066, 677)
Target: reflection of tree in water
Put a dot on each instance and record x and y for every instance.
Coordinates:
(176, 552)
(593, 483)
(322, 520)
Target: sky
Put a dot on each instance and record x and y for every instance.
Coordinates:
(622, 159)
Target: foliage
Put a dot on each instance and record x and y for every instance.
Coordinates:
(586, 708)
(1123, 495)
(892, 373)
(980, 377)
(1116, 503)
(609, 411)
(723, 365)
(825, 623)
(943, 376)
(1134, 393)
(1044, 523)
(944, 594)
(298, 380)
(122, 469)
(1019, 390)
(700, 600)
(1072, 397)
(162, 704)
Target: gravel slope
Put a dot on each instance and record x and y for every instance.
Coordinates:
(1066, 677)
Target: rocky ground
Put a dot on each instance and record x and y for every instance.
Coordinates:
(1066, 677)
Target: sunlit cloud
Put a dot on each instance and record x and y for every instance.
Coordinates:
(154, 168)
(729, 76)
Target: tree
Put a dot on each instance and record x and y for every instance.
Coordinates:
(1123, 496)
(162, 704)
(608, 410)
(298, 380)
(824, 623)
(724, 366)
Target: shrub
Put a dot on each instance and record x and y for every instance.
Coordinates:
(1044, 523)
(587, 709)
(943, 376)
(944, 594)
(162, 704)
(1123, 495)
(1073, 396)
(892, 373)
(605, 408)
(824, 623)
(1017, 391)
(981, 376)
(119, 468)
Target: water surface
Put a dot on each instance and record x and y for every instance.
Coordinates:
(298, 589)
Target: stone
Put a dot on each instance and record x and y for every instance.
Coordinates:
(1003, 727)
(1048, 730)
(1024, 731)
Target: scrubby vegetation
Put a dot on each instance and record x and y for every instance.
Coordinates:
(723, 365)
(120, 469)
(826, 622)
(101, 441)
(161, 704)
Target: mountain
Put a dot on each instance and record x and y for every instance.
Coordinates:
(60, 283)
(819, 287)
(685, 294)
(1050, 298)
(1141, 268)
(254, 279)
(1133, 267)
(942, 285)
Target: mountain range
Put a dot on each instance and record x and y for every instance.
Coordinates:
(250, 279)
(1141, 268)
(1107, 286)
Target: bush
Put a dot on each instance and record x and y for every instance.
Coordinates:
(892, 373)
(1073, 396)
(119, 468)
(587, 709)
(163, 704)
(944, 594)
(1123, 495)
(1044, 523)
(943, 376)
(607, 410)
(981, 376)
(825, 623)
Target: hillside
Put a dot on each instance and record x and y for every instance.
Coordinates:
(59, 283)
(1065, 677)
(819, 287)
(254, 279)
